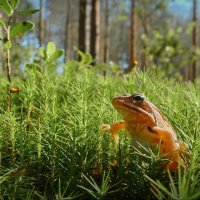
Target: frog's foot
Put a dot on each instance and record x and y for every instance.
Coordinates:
(113, 129)
(104, 127)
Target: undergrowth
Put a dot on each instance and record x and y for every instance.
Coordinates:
(51, 146)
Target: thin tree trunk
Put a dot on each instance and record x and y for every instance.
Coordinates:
(47, 31)
(71, 37)
(194, 38)
(41, 25)
(144, 60)
(187, 72)
(66, 45)
(132, 37)
(94, 30)
(87, 42)
(106, 34)
(82, 23)
(1, 45)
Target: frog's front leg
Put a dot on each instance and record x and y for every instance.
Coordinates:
(114, 128)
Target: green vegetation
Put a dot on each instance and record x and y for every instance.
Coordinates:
(51, 147)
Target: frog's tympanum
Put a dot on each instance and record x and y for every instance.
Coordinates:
(148, 126)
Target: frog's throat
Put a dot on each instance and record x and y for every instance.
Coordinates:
(120, 104)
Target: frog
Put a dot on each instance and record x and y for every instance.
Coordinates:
(146, 125)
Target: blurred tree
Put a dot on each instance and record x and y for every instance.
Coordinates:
(106, 33)
(54, 15)
(88, 20)
(165, 49)
(118, 41)
(149, 15)
(82, 24)
(67, 31)
(94, 30)
(1, 46)
(41, 25)
(147, 9)
(133, 36)
(194, 40)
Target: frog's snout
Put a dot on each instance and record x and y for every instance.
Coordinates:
(120, 99)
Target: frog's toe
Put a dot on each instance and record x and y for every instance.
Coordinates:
(104, 127)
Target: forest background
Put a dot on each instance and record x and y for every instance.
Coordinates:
(159, 34)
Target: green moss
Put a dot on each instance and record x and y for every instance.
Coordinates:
(51, 146)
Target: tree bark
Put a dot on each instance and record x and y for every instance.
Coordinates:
(66, 44)
(41, 24)
(87, 42)
(106, 34)
(94, 30)
(194, 38)
(1, 44)
(132, 61)
(82, 23)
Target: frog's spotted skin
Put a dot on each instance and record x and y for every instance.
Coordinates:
(148, 126)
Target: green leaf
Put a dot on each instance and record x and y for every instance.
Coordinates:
(28, 12)
(8, 44)
(21, 28)
(51, 48)
(33, 67)
(42, 52)
(57, 54)
(5, 7)
(86, 58)
(14, 4)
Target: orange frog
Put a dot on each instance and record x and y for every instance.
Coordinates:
(148, 126)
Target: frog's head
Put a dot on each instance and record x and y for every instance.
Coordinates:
(134, 107)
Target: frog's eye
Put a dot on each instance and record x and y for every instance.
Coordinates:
(138, 98)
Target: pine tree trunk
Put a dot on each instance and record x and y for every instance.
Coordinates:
(87, 42)
(82, 23)
(66, 44)
(94, 30)
(132, 37)
(194, 38)
(41, 25)
(1, 44)
(106, 34)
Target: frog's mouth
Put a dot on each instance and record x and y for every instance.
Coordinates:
(122, 105)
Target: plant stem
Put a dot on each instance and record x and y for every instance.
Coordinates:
(8, 69)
